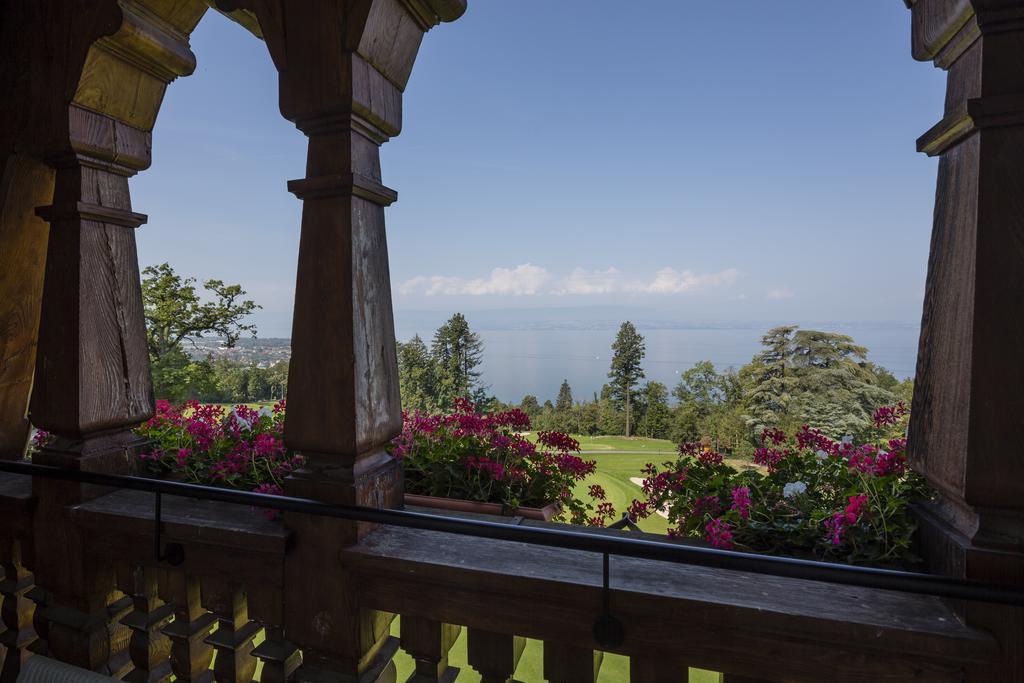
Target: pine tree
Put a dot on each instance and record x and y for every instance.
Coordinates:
(417, 376)
(628, 353)
(457, 351)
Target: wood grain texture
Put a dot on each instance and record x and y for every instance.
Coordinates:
(190, 655)
(567, 664)
(24, 184)
(494, 655)
(712, 619)
(428, 643)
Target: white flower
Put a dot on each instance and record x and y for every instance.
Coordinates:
(848, 440)
(793, 488)
(266, 412)
(240, 421)
(820, 454)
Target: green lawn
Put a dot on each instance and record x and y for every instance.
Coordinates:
(614, 668)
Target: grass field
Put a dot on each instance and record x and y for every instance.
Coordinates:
(614, 668)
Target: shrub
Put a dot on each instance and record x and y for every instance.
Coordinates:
(207, 444)
(809, 496)
(486, 458)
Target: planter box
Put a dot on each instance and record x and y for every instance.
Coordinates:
(544, 514)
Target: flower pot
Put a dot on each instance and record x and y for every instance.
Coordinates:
(457, 505)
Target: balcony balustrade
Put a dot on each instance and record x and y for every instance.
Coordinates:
(226, 592)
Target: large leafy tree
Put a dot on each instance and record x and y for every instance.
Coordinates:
(822, 379)
(175, 313)
(628, 352)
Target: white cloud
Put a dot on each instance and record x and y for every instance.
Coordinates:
(779, 293)
(672, 281)
(524, 280)
(530, 280)
(583, 281)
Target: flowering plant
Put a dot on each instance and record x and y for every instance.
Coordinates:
(808, 496)
(242, 448)
(486, 458)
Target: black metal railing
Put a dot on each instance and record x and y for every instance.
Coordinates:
(609, 544)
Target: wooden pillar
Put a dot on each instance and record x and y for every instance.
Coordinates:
(568, 664)
(149, 647)
(93, 85)
(343, 65)
(965, 423)
(428, 642)
(233, 639)
(16, 611)
(654, 667)
(191, 655)
(495, 656)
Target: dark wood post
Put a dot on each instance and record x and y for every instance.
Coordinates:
(90, 87)
(965, 424)
(569, 664)
(495, 656)
(343, 65)
(191, 655)
(149, 647)
(16, 612)
(428, 642)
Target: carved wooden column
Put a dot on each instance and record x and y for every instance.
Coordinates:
(16, 611)
(150, 647)
(568, 664)
(495, 656)
(965, 424)
(233, 639)
(191, 655)
(343, 65)
(428, 643)
(96, 80)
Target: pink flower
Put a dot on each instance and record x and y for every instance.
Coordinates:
(838, 523)
(776, 436)
(890, 415)
(562, 443)
(741, 501)
(638, 510)
(597, 492)
(709, 457)
(719, 534)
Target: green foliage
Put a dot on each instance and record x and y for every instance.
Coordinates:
(417, 376)
(809, 497)
(456, 351)
(175, 313)
(434, 379)
(628, 352)
(655, 417)
(821, 379)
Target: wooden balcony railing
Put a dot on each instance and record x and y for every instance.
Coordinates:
(198, 612)
(314, 598)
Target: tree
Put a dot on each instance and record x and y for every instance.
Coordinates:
(628, 353)
(564, 417)
(530, 405)
(457, 351)
(821, 379)
(656, 419)
(417, 376)
(175, 313)
(564, 401)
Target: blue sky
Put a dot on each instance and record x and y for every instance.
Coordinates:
(734, 161)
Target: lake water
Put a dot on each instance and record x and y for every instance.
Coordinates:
(531, 361)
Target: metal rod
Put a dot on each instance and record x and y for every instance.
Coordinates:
(868, 577)
(158, 550)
